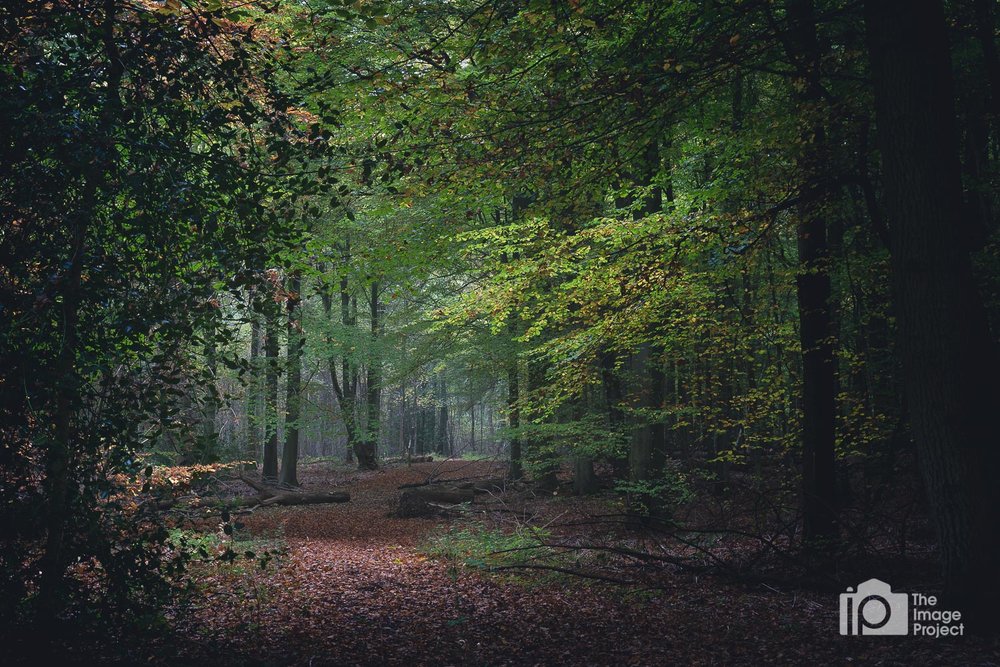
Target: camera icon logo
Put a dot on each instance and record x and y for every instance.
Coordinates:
(874, 610)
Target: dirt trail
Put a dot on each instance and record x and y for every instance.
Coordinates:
(353, 590)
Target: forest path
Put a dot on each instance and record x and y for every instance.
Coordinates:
(353, 589)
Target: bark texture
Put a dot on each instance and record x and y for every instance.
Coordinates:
(949, 360)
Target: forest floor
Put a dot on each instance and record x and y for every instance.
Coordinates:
(355, 586)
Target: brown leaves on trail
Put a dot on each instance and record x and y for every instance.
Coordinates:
(354, 590)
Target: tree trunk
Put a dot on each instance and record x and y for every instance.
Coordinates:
(472, 429)
(59, 459)
(253, 442)
(366, 447)
(584, 480)
(208, 450)
(540, 450)
(441, 437)
(269, 496)
(640, 446)
(269, 470)
(648, 358)
(816, 331)
(293, 384)
(514, 417)
(949, 360)
(345, 388)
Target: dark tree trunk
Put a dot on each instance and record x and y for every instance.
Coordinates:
(208, 450)
(60, 452)
(346, 387)
(518, 204)
(60, 455)
(269, 469)
(540, 450)
(514, 417)
(252, 451)
(647, 360)
(985, 12)
(613, 396)
(419, 446)
(584, 480)
(640, 446)
(365, 450)
(441, 437)
(816, 331)
(472, 429)
(293, 384)
(949, 360)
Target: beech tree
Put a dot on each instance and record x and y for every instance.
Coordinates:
(948, 354)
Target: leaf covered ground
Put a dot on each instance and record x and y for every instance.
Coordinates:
(351, 585)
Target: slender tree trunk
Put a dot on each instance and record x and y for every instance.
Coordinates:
(442, 421)
(293, 384)
(540, 447)
(419, 428)
(269, 469)
(949, 360)
(253, 442)
(404, 448)
(816, 331)
(210, 410)
(59, 458)
(346, 388)
(640, 447)
(646, 360)
(472, 429)
(514, 417)
(60, 452)
(366, 449)
(518, 203)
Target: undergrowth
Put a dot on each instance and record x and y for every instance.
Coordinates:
(478, 547)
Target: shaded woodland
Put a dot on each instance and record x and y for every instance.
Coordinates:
(497, 332)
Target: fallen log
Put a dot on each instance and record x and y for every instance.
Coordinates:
(243, 501)
(485, 485)
(413, 485)
(413, 459)
(294, 498)
(261, 489)
(443, 495)
(423, 501)
(461, 483)
(269, 496)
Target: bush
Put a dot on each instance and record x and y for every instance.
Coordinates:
(660, 495)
